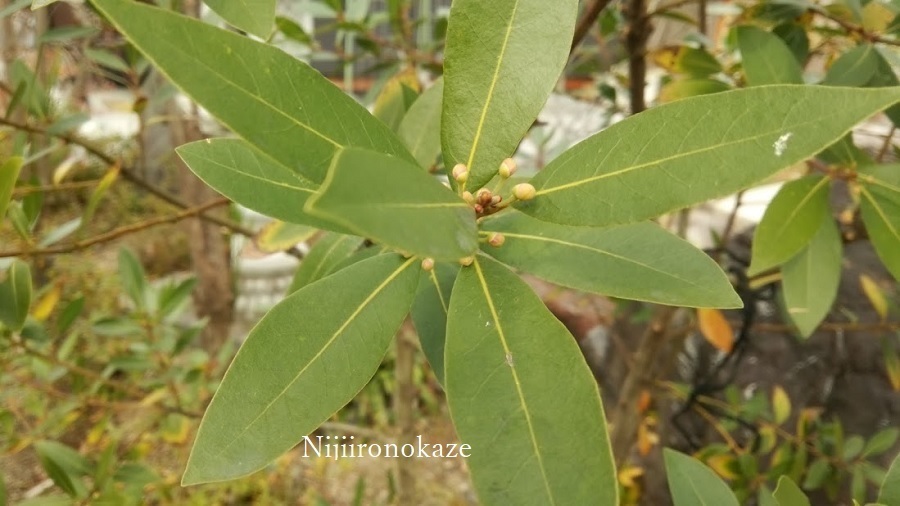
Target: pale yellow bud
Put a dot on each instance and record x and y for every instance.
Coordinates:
(507, 168)
(428, 264)
(496, 239)
(460, 173)
(524, 191)
(468, 197)
(467, 261)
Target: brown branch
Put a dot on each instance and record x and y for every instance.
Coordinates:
(117, 233)
(127, 173)
(636, 36)
(625, 416)
(587, 21)
(855, 29)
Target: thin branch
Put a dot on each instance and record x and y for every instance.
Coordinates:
(75, 185)
(856, 29)
(127, 173)
(636, 36)
(117, 233)
(587, 21)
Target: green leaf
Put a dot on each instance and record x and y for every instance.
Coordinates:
(173, 296)
(818, 473)
(810, 279)
(522, 397)
(794, 36)
(881, 442)
(107, 59)
(279, 236)
(890, 487)
(64, 466)
(396, 97)
(696, 149)
(502, 62)
(15, 295)
(292, 30)
(880, 210)
(694, 484)
(277, 103)
(691, 87)
(396, 203)
(789, 223)
(133, 278)
(856, 67)
(429, 313)
(787, 493)
(766, 58)
(420, 129)
(618, 261)
(242, 173)
(252, 16)
(295, 368)
(323, 258)
(9, 173)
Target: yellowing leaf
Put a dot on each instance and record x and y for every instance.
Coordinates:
(781, 405)
(46, 303)
(279, 236)
(876, 17)
(716, 329)
(892, 365)
(628, 476)
(723, 465)
(875, 295)
(647, 437)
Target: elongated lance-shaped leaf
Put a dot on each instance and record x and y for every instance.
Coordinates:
(323, 258)
(429, 313)
(623, 261)
(15, 295)
(766, 58)
(880, 209)
(252, 16)
(247, 176)
(420, 129)
(277, 103)
(395, 203)
(811, 278)
(9, 173)
(503, 59)
(791, 220)
(522, 397)
(309, 356)
(694, 484)
(890, 487)
(686, 152)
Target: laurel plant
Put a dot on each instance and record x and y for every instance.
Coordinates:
(518, 389)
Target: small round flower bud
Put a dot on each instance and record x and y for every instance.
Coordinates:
(468, 197)
(484, 197)
(496, 239)
(466, 261)
(524, 191)
(507, 168)
(496, 199)
(460, 173)
(478, 208)
(427, 264)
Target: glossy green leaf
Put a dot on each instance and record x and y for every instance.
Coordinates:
(395, 203)
(791, 220)
(420, 129)
(810, 279)
(696, 149)
(279, 104)
(694, 484)
(503, 60)
(252, 16)
(690, 87)
(621, 261)
(856, 67)
(794, 36)
(766, 58)
(890, 487)
(787, 493)
(880, 211)
(15, 295)
(323, 258)
(9, 173)
(429, 313)
(309, 356)
(133, 278)
(242, 173)
(522, 397)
